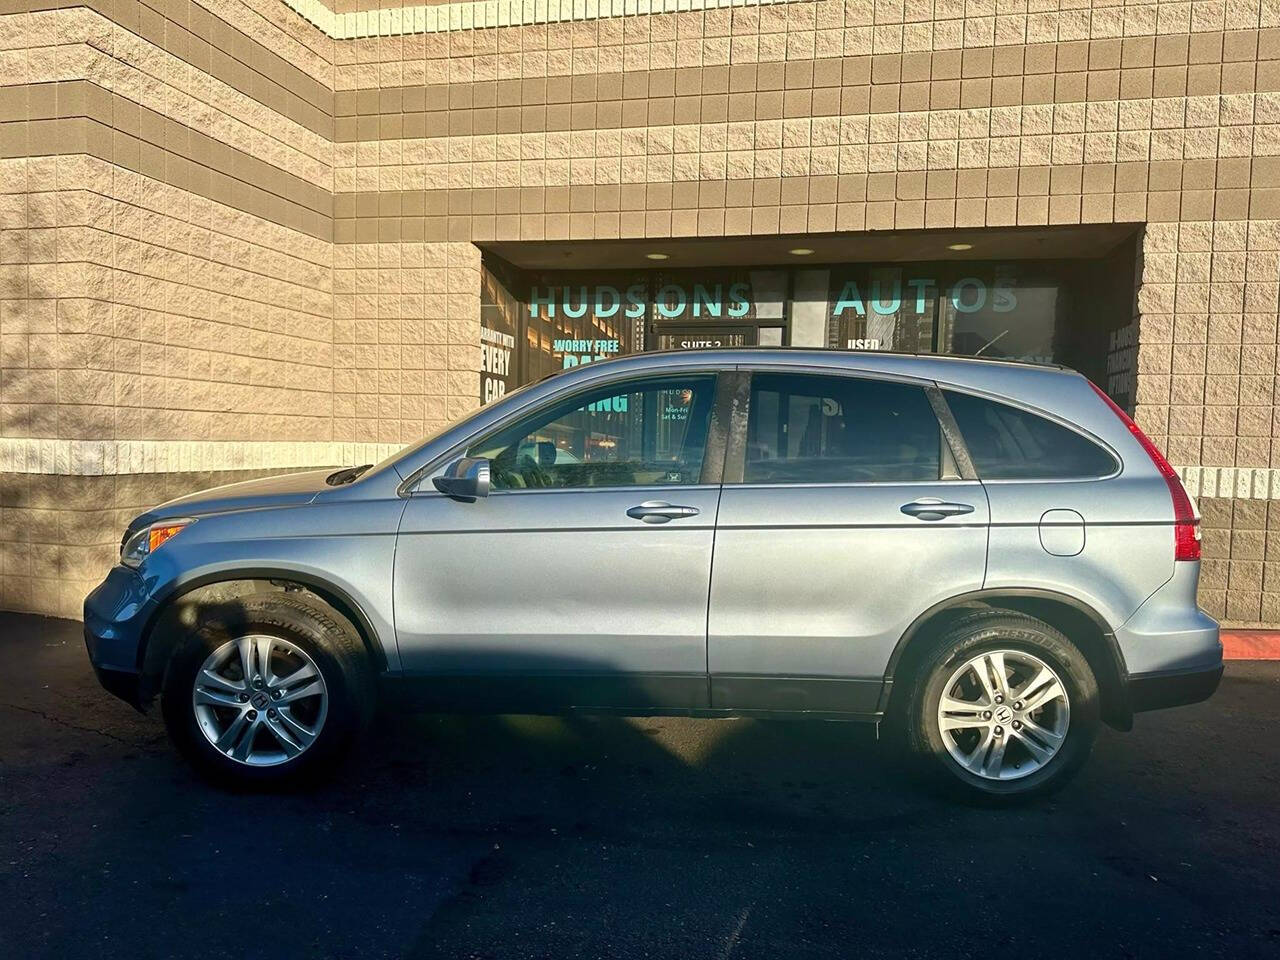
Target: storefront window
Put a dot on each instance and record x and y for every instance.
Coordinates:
(883, 308)
(1002, 313)
(1073, 311)
(573, 319)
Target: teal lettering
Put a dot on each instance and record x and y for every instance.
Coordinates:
(919, 284)
(635, 301)
(1005, 300)
(880, 305)
(704, 299)
(739, 299)
(579, 310)
(850, 297)
(979, 301)
(549, 301)
(667, 309)
(609, 405)
(601, 310)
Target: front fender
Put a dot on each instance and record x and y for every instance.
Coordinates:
(343, 551)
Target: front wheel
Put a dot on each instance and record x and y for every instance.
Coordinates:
(267, 689)
(1005, 708)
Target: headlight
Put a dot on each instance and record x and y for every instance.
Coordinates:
(141, 544)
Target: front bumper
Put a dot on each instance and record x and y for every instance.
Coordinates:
(115, 616)
(125, 685)
(1161, 690)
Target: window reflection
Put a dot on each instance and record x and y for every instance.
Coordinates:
(653, 433)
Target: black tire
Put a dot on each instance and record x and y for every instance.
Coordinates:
(337, 653)
(967, 638)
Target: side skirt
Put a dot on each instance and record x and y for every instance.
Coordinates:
(633, 696)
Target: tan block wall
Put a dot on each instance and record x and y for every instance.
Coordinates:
(217, 222)
(138, 310)
(407, 338)
(59, 535)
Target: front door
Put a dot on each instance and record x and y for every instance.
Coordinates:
(842, 519)
(704, 337)
(582, 579)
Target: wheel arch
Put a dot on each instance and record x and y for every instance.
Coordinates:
(226, 585)
(1080, 622)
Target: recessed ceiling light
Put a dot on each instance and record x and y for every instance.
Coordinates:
(800, 251)
(959, 246)
(655, 256)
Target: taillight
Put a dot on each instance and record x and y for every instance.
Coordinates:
(1186, 530)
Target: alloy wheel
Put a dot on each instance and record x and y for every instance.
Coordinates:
(260, 700)
(1004, 714)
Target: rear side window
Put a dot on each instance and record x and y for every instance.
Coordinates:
(821, 429)
(1011, 444)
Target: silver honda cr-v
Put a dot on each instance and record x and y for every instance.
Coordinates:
(988, 558)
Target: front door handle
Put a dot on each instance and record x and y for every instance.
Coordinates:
(931, 508)
(659, 511)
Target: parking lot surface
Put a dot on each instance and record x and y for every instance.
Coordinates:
(580, 838)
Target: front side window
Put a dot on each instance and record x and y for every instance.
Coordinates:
(640, 433)
(1006, 443)
(821, 429)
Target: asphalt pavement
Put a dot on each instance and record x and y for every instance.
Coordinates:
(475, 837)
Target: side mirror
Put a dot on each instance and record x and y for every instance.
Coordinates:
(466, 479)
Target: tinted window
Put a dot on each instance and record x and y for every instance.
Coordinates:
(642, 433)
(1011, 444)
(813, 429)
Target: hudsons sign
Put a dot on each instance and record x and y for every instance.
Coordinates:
(712, 301)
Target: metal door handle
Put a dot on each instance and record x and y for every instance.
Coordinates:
(931, 508)
(659, 511)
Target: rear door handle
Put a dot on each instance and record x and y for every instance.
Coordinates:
(659, 511)
(931, 508)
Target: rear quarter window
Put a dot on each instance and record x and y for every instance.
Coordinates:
(1007, 443)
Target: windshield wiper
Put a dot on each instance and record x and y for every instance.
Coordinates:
(346, 475)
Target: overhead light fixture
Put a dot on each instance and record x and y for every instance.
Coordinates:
(959, 246)
(656, 256)
(800, 251)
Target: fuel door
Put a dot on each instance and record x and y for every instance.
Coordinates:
(1062, 532)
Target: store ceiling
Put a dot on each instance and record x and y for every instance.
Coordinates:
(1083, 241)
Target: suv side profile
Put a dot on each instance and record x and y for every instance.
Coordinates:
(988, 557)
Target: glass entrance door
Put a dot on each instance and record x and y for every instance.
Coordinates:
(702, 337)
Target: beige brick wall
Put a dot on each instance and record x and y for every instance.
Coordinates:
(406, 338)
(59, 534)
(218, 222)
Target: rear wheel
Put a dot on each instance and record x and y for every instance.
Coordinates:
(266, 690)
(1004, 708)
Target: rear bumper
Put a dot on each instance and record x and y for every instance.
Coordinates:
(1171, 648)
(1161, 690)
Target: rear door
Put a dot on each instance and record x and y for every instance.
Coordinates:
(843, 517)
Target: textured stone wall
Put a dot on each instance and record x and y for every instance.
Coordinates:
(60, 534)
(222, 220)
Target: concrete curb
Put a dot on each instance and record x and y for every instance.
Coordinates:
(1251, 644)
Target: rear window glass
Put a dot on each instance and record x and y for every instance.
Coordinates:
(1011, 444)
